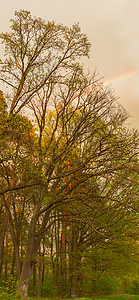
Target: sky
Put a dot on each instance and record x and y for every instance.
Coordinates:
(112, 27)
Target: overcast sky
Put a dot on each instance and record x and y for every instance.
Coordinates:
(112, 27)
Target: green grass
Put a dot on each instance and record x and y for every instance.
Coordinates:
(122, 297)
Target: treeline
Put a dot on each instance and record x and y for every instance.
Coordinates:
(68, 168)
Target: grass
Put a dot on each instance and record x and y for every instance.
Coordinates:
(121, 297)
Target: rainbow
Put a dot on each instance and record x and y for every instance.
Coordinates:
(122, 77)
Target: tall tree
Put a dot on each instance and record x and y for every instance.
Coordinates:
(77, 136)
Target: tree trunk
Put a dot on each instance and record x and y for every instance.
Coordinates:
(43, 261)
(74, 293)
(34, 275)
(74, 263)
(2, 236)
(39, 275)
(33, 244)
(6, 255)
(63, 251)
(30, 257)
(13, 264)
(57, 243)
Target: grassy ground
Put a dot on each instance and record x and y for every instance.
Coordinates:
(122, 297)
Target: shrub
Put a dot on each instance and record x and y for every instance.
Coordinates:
(8, 289)
(135, 287)
(107, 285)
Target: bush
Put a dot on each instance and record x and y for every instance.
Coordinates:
(135, 287)
(131, 285)
(47, 288)
(8, 289)
(108, 285)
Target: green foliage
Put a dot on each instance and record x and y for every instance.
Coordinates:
(135, 289)
(131, 284)
(48, 288)
(107, 285)
(3, 107)
(8, 289)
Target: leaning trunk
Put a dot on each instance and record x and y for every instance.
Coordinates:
(31, 253)
(33, 244)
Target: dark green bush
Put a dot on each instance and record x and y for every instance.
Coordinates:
(108, 285)
(135, 287)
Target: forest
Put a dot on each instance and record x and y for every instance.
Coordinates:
(69, 209)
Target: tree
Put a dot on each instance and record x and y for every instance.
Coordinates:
(78, 137)
(39, 56)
